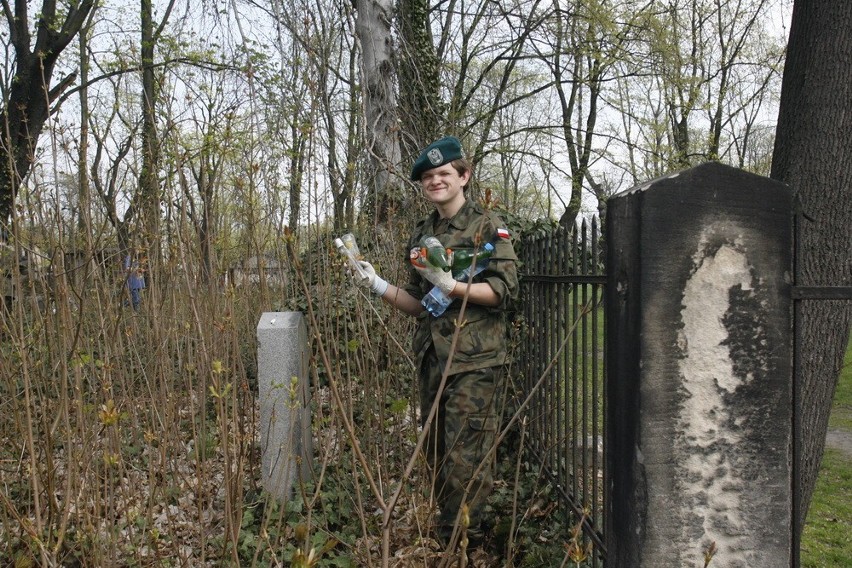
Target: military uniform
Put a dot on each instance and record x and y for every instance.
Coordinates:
(464, 431)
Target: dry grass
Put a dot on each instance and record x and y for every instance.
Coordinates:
(131, 438)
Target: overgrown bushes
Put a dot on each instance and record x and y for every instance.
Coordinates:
(130, 438)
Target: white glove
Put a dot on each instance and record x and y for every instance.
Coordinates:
(371, 280)
(443, 280)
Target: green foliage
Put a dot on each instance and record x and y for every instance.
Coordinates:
(542, 533)
(519, 225)
(270, 534)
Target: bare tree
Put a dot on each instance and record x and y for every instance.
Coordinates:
(84, 200)
(109, 172)
(27, 97)
(585, 47)
(330, 88)
(695, 85)
(734, 25)
(715, 59)
(199, 165)
(149, 186)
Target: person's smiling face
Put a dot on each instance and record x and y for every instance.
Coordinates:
(444, 187)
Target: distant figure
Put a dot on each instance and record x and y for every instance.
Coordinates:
(135, 280)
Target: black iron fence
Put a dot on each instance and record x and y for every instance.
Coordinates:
(562, 362)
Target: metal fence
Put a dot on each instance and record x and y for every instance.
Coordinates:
(562, 362)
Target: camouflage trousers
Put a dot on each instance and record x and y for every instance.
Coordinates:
(461, 438)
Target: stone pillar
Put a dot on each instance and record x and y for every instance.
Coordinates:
(700, 372)
(285, 396)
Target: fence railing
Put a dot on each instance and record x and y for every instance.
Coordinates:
(562, 362)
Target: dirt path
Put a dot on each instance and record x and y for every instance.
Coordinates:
(840, 440)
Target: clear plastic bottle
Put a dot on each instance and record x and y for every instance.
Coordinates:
(348, 247)
(436, 302)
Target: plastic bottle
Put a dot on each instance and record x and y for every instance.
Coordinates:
(436, 302)
(347, 246)
(432, 252)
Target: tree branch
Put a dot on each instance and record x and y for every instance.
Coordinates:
(19, 26)
(209, 65)
(63, 84)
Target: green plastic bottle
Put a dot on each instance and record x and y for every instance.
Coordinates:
(431, 252)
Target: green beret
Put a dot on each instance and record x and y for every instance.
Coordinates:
(437, 154)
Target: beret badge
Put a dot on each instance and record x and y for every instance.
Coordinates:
(440, 152)
(435, 156)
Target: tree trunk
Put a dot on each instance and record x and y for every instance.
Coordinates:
(84, 200)
(814, 157)
(584, 59)
(27, 108)
(22, 120)
(148, 186)
(206, 180)
(372, 25)
(298, 157)
(421, 109)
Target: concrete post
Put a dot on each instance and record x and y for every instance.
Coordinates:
(700, 372)
(285, 395)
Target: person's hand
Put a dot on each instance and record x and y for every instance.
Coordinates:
(367, 278)
(443, 280)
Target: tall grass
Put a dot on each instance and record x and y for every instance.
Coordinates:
(127, 437)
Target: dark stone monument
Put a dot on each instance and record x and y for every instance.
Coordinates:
(700, 371)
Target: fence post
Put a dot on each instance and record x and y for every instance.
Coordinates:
(285, 395)
(700, 419)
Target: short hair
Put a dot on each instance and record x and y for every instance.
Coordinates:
(462, 165)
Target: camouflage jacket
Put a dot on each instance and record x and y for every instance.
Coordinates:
(483, 336)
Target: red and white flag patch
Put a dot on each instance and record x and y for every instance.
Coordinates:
(503, 233)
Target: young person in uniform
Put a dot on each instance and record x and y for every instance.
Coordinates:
(463, 434)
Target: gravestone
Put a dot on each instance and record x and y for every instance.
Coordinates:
(700, 415)
(285, 395)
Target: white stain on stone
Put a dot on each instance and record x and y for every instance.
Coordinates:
(712, 487)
